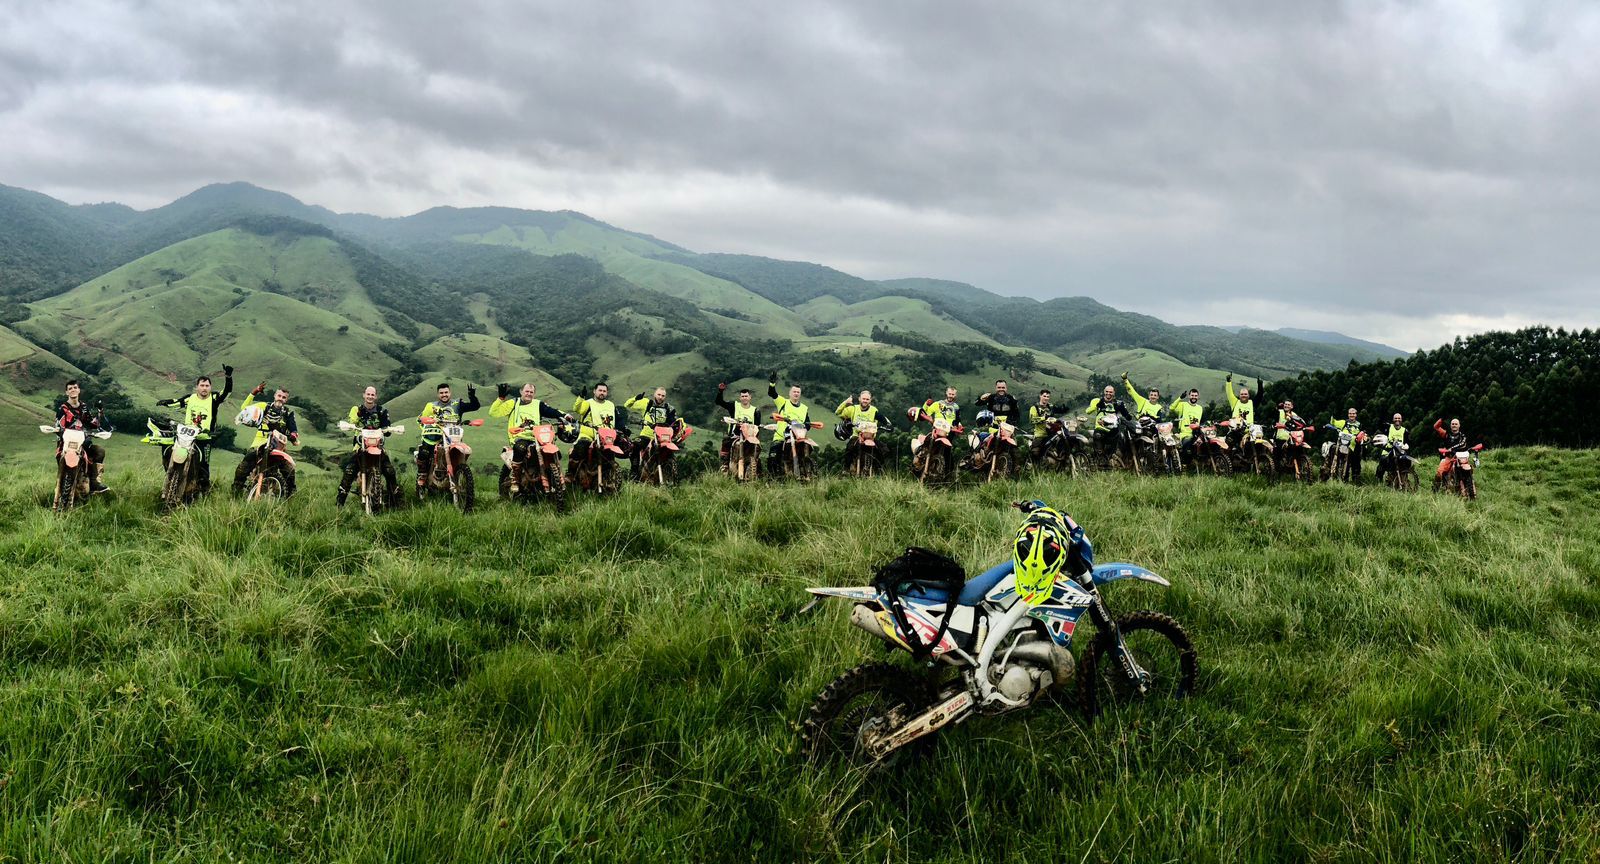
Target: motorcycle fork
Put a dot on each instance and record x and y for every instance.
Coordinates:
(1100, 614)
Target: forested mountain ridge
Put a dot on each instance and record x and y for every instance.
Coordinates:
(230, 271)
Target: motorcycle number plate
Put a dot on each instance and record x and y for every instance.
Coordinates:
(453, 431)
(372, 435)
(1463, 455)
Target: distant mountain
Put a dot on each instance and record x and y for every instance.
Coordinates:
(1328, 337)
(326, 301)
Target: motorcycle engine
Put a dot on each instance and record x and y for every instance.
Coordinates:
(1021, 682)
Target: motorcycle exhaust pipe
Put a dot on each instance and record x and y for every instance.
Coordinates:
(867, 619)
(1047, 654)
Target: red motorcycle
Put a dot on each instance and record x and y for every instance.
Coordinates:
(933, 454)
(999, 451)
(744, 449)
(450, 474)
(656, 462)
(1456, 471)
(1211, 447)
(1295, 459)
(795, 457)
(539, 475)
(596, 471)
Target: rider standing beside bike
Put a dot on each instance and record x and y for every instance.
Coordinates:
(443, 412)
(276, 416)
(199, 409)
(1352, 425)
(522, 415)
(1396, 435)
(73, 413)
(791, 410)
(591, 414)
(743, 411)
(654, 411)
(368, 415)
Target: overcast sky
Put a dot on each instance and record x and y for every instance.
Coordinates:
(1397, 171)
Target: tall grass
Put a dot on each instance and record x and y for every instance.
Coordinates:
(1383, 677)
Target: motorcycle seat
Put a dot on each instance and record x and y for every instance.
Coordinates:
(980, 585)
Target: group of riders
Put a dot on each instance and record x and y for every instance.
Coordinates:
(596, 426)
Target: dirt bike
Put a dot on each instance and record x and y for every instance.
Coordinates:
(449, 472)
(1065, 448)
(922, 603)
(370, 482)
(1119, 443)
(1338, 455)
(1394, 460)
(1257, 453)
(656, 462)
(596, 471)
(933, 458)
(273, 474)
(1457, 471)
(796, 456)
(999, 452)
(867, 460)
(744, 449)
(1165, 449)
(184, 460)
(539, 475)
(1211, 451)
(73, 468)
(1294, 459)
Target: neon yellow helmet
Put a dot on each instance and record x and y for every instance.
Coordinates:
(1038, 553)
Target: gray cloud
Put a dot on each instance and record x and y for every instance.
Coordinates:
(1362, 163)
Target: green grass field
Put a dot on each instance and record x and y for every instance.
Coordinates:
(1382, 677)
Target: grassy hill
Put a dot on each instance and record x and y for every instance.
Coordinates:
(1383, 677)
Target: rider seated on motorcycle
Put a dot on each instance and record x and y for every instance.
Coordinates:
(1145, 407)
(199, 409)
(592, 414)
(276, 416)
(1105, 406)
(1242, 408)
(1038, 415)
(522, 415)
(949, 409)
(1186, 412)
(743, 411)
(1455, 441)
(73, 413)
(1396, 435)
(1003, 405)
(790, 409)
(1288, 421)
(855, 411)
(368, 415)
(443, 412)
(654, 411)
(1353, 426)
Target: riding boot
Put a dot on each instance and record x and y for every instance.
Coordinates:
(97, 482)
(344, 492)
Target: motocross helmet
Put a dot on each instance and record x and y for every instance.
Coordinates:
(985, 418)
(1038, 553)
(842, 431)
(567, 432)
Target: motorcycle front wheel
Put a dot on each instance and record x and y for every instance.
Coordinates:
(1161, 648)
(870, 700)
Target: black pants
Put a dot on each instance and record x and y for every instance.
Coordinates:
(424, 462)
(248, 464)
(349, 467)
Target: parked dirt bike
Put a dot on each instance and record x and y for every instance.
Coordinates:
(876, 711)
(1294, 458)
(1211, 451)
(744, 450)
(1256, 456)
(597, 471)
(1119, 442)
(272, 476)
(865, 461)
(184, 463)
(370, 482)
(1458, 473)
(999, 452)
(656, 463)
(1394, 460)
(933, 457)
(1338, 455)
(1164, 449)
(797, 453)
(539, 475)
(449, 474)
(1065, 447)
(73, 469)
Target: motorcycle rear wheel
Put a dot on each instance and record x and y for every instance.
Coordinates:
(869, 698)
(1160, 646)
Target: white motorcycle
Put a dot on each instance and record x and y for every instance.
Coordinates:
(73, 469)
